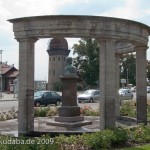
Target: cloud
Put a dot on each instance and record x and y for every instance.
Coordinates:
(129, 9)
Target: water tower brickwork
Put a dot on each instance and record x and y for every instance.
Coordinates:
(58, 51)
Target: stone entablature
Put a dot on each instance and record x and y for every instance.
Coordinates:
(81, 26)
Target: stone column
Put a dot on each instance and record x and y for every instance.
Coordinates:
(117, 99)
(26, 85)
(141, 92)
(107, 83)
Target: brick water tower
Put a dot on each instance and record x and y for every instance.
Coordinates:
(57, 51)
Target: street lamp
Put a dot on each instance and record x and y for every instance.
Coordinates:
(127, 77)
(1, 84)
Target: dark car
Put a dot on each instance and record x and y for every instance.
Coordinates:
(46, 97)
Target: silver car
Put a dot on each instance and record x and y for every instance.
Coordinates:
(125, 94)
(89, 96)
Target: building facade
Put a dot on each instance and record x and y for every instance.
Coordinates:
(57, 51)
(9, 73)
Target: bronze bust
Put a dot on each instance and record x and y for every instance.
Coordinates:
(69, 70)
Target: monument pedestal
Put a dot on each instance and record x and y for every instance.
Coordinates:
(69, 113)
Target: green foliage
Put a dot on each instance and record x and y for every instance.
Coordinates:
(40, 111)
(102, 139)
(148, 69)
(73, 142)
(128, 110)
(148, 113)
(88, 111)
(79, 88)
(120, 135)
(45, 111)
(57, 86)
(87, 60)
(139, 134)
(128, 63)
(105, 139)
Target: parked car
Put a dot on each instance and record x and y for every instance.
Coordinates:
(133, 89)
(148, 89)
(125, 94)
(89, 96)
(46, 97)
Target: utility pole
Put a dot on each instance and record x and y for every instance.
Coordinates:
(1, 83)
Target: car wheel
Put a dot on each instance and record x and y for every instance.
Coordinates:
(37, 104)
(57, 103)
(91, 100)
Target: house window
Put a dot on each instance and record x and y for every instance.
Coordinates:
(59, 58)
(53, 58)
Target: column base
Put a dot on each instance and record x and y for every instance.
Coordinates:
(69, 119)
(69, 125)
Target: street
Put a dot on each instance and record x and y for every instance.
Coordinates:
(9, 104)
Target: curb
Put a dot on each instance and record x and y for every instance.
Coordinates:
(6, 100)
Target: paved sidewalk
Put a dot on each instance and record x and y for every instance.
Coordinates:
(10, 127)
(8, 97)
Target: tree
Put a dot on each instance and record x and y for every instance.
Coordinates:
(128, 67)
(87, 60)
(148, 70)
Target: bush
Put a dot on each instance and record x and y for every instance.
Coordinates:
(102, 139)
(52, 111)
(40, 112)
(88, 111)
(45, 111)
(73, 142)
(139, 134)
(120, 135)
(128, 110)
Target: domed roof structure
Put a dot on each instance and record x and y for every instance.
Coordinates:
(58, 46)
(58, 43)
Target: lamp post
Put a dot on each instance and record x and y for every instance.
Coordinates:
(1, 84)
(127, 77)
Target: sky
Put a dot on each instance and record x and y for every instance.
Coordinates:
(137, 10)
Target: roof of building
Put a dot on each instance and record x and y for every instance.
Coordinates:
(13, 74)
(7, 68)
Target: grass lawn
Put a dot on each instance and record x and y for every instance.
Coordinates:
(143, 147)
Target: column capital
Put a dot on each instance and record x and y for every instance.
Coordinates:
(27, 39)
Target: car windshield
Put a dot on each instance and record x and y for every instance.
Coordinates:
(38, 93)
(88, 92)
